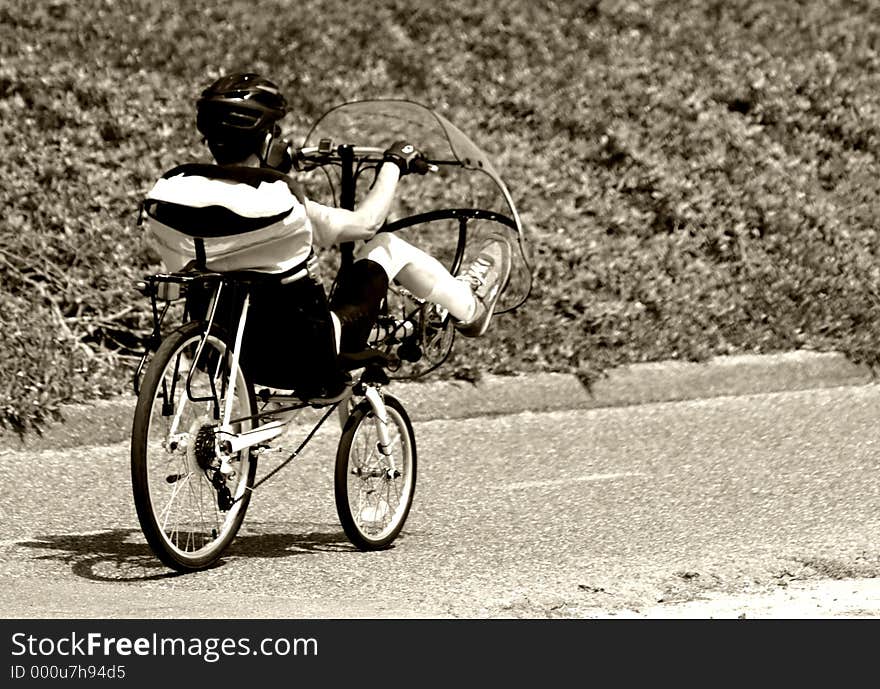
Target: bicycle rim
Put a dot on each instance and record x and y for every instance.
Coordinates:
(188, 510)
(373, 496)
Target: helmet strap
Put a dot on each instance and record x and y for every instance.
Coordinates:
(275, 152)
(266, 148)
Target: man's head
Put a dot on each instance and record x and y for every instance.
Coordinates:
(238, 116)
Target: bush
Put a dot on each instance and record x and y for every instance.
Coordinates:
(697, 178)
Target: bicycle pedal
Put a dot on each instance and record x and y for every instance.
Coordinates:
(409, 351)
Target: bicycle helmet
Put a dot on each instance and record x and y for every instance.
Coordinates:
(235, 114)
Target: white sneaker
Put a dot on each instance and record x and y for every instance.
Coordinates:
(487, 277)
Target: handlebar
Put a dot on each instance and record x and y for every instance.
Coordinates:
(310, 157)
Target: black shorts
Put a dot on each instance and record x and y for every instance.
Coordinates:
(289, 341)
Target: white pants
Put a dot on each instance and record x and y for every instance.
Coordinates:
(419, 272)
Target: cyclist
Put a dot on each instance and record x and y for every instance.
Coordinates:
(270, 226)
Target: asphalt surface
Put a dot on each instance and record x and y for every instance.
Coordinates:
(550, 397)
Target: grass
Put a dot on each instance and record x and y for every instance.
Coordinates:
(697, 178)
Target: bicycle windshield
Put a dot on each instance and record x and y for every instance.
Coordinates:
(466, 180)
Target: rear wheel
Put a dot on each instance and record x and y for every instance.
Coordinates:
(374, 490)
(189, 510)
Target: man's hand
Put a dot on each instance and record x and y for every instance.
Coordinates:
(407, 157)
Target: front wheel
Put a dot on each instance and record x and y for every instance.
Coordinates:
(373, 489)
(189, 510)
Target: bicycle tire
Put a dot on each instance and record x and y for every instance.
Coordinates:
(372, 502)
(185, 513)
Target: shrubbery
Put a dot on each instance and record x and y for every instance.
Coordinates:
(697, 178)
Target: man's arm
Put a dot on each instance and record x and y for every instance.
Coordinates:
(337, 225)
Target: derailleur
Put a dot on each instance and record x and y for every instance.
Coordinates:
(206, 456)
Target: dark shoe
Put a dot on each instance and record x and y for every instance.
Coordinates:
(323, 398)
(487, 277)
(329, 394)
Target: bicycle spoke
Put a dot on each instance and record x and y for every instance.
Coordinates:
(374, 490)
(180, 508)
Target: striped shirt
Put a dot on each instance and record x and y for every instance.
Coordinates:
(248, 218)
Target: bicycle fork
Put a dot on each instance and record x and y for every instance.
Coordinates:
(380, 414)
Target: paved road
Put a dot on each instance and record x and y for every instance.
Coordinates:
(712, 507)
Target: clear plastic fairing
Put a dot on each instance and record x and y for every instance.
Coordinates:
(463, 200)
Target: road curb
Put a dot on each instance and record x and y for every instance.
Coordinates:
(109, 421)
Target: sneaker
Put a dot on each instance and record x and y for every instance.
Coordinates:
(487, 276)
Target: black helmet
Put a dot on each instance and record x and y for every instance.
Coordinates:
(236, 112)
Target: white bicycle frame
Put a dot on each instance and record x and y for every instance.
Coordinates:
(234, 441)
